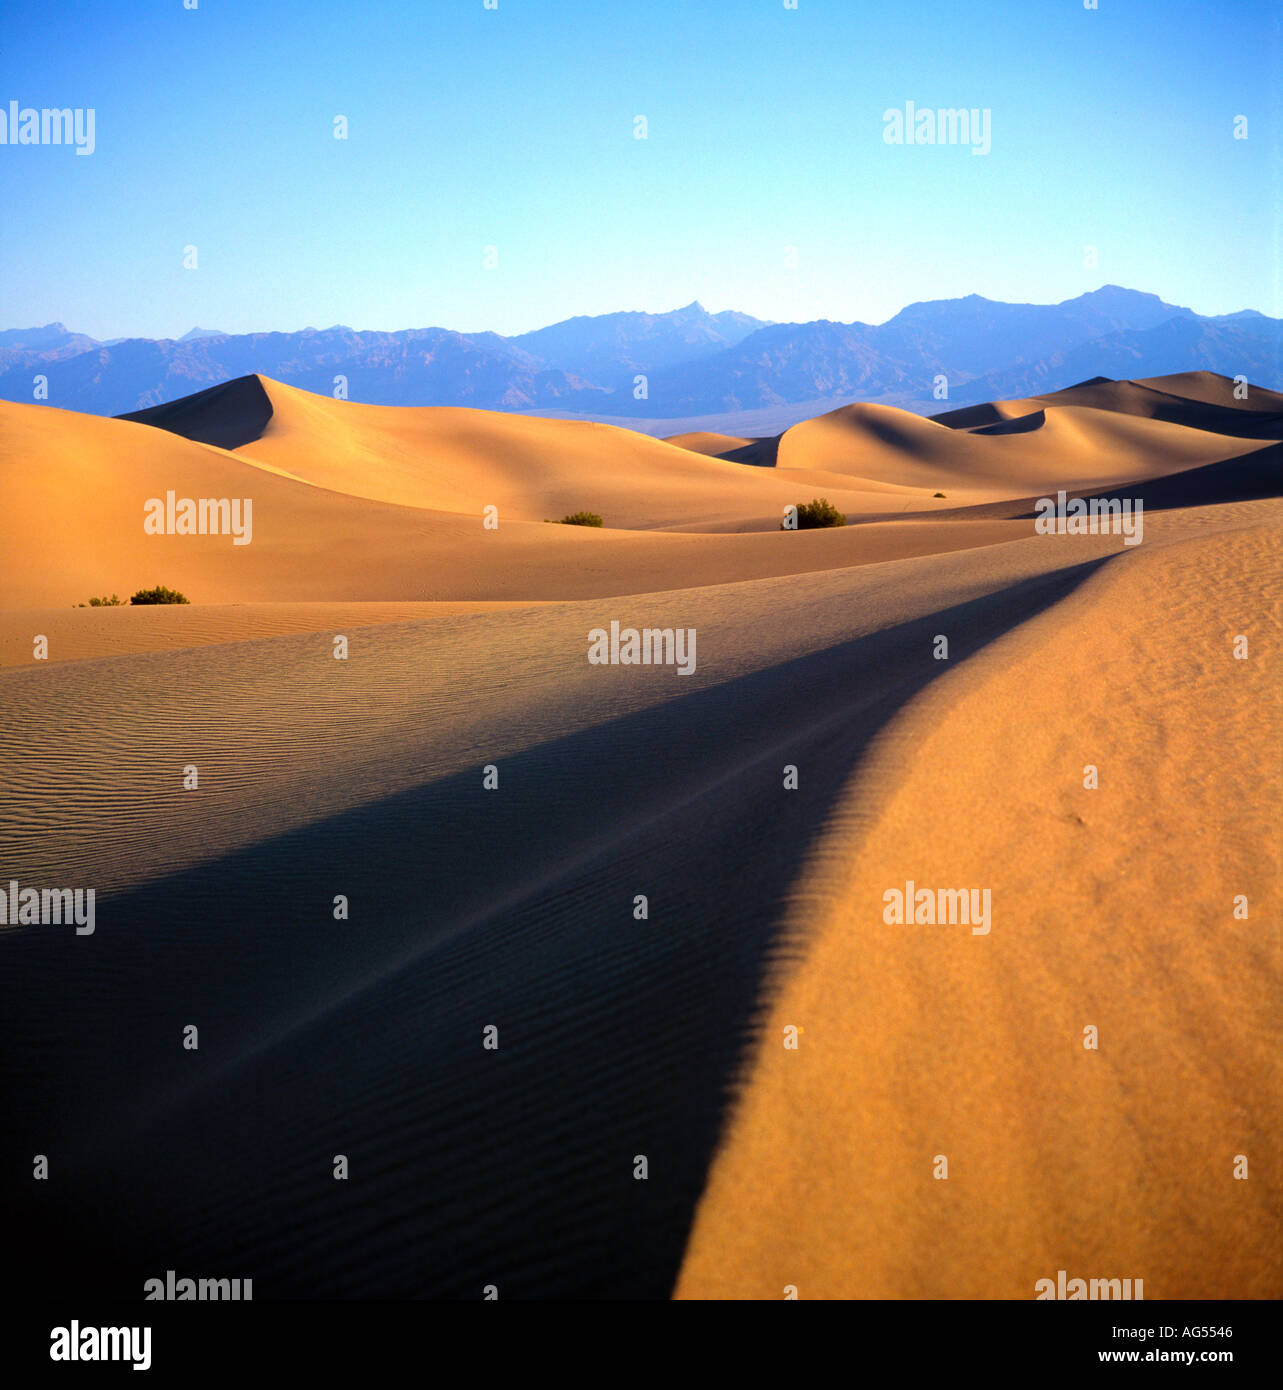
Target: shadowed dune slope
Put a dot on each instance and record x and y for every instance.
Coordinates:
(759, 452)
(228, 415)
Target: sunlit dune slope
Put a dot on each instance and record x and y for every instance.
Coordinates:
(76, 487)
(1112, 908)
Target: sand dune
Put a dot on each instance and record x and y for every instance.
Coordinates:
(1215, 390)
(312, 543)
(760, 452)
(76, 486)
(1198, 400)
(316, 524)
(1258, 417)
(468, 908)
(1068, 446)
(462, 461)
(715, 445)
(923, 1041)
(514, 907)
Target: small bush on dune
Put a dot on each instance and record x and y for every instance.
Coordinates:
(811, 516)
(115, 601)
(937, 494)
(160, 594)
(581, 519)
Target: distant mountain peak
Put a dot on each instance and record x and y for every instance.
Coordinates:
(48, 336)
(1119, 294)
(193, 333)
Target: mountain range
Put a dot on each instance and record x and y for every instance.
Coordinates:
(694, 363)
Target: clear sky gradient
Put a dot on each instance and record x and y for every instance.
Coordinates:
(514, 128)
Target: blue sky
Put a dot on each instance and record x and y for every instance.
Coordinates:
(514, 129)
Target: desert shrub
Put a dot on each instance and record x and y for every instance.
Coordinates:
(937, 494)
(811, 516)
(160, 594)
(582, 519)
(115, 601)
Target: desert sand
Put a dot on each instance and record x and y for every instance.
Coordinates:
(514, 907)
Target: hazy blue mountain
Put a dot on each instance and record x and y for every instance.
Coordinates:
(983, 348)
(696, 363)
(974, 335)
(430, 366)
(1233, 345)
(52, 335)
(610, 347)
(54, 339)
(776, 365)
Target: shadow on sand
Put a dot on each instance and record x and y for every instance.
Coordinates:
(469, 908)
